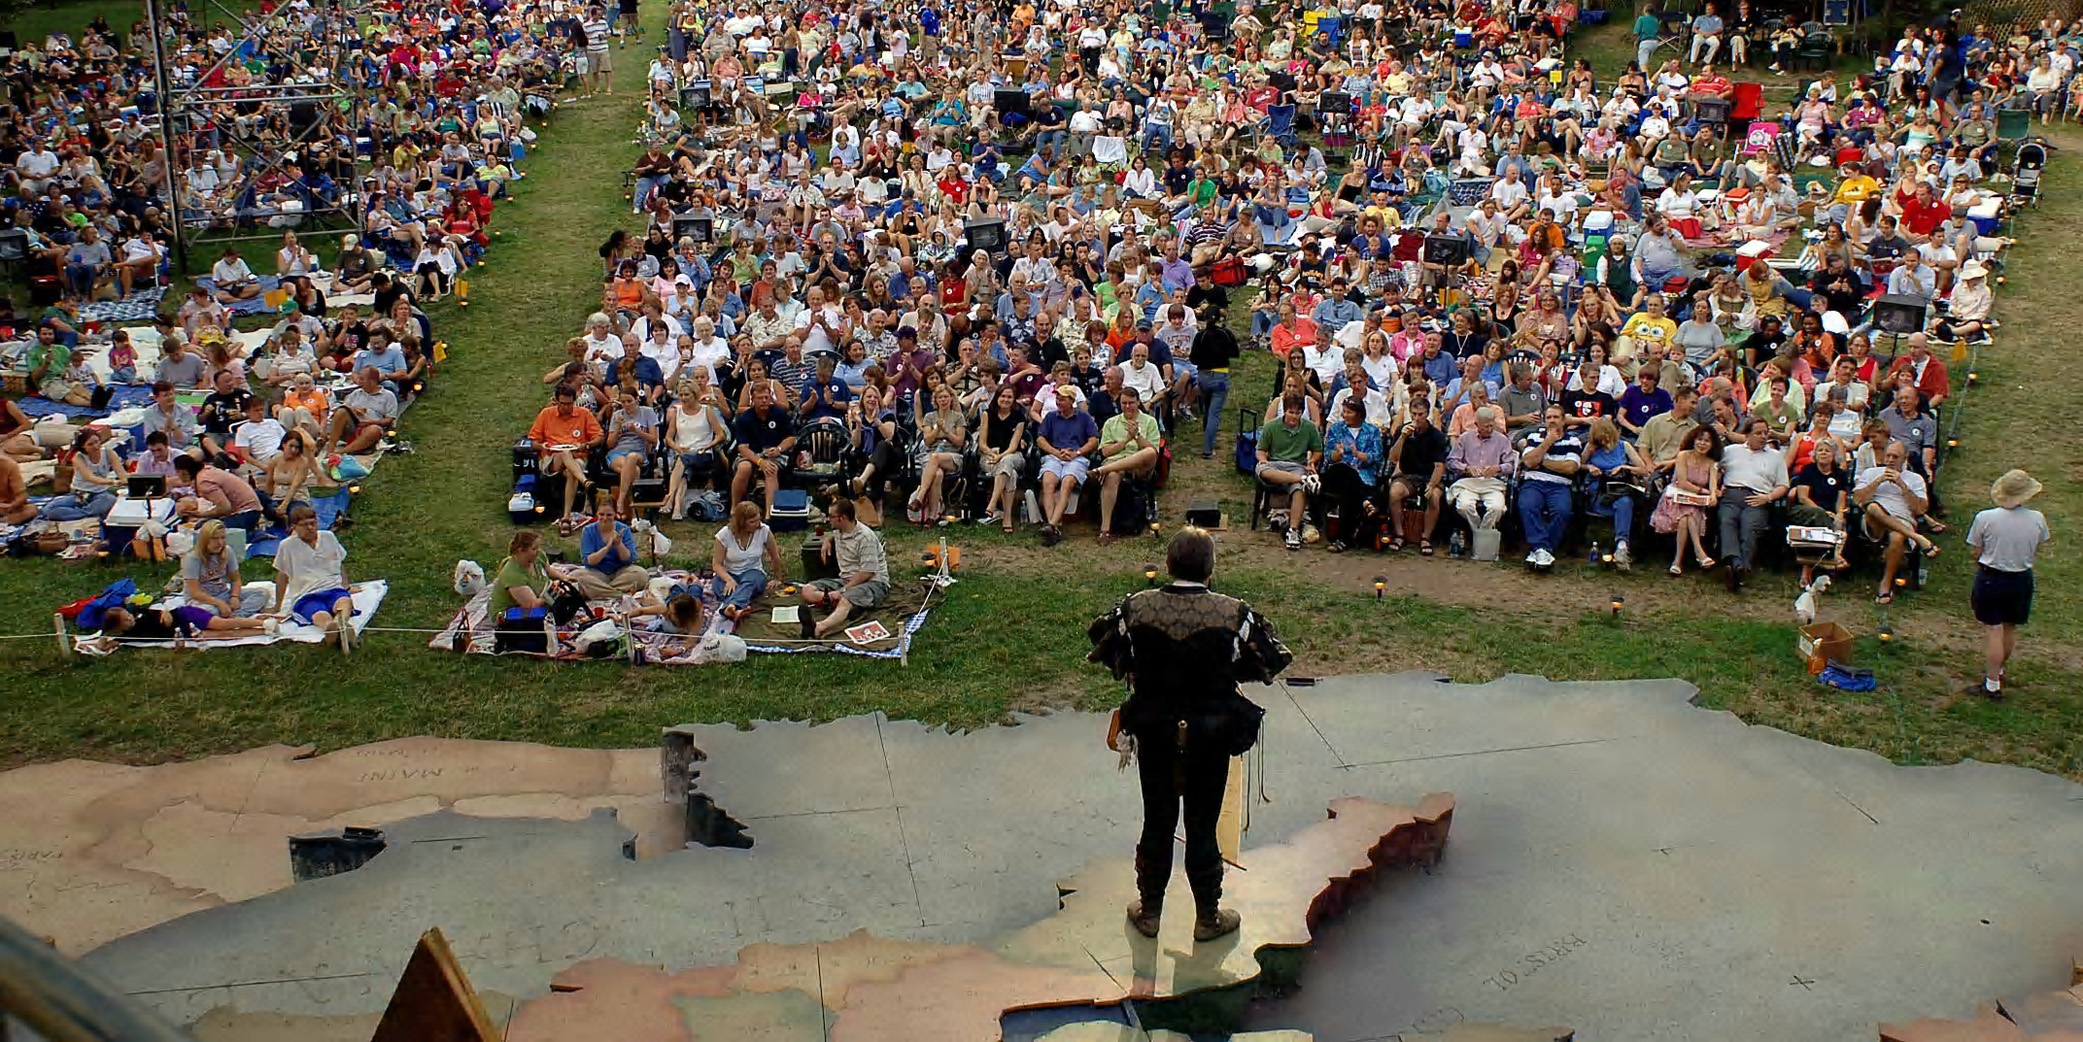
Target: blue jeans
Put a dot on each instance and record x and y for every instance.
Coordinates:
(72, 508)
(1544, 511)
(644, 187)
(1215, 391)
(1262, 323)
(751, 583)
(1161, 133)
(1622, 511)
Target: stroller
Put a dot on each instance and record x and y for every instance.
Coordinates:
(2025, 176)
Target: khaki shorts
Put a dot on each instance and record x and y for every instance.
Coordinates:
(866, 595)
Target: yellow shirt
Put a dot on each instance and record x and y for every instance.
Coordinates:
(1642, 327)
(1856, 189)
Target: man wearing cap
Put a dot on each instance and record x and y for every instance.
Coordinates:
(2006, 540)
(1067, 436)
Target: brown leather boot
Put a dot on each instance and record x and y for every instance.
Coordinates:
(1221, 922)
(1144, 916)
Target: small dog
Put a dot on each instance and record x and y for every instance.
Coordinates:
(1804, 605)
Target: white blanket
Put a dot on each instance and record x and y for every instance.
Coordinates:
(368, 596)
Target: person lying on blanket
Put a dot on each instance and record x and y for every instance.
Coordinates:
(680, 615)
(188, 620)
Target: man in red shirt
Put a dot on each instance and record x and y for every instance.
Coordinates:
(1710, 84)
(1923, 371)
(1924, 213)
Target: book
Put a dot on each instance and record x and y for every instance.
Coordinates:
(867, 633)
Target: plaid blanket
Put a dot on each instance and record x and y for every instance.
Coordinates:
(137, 307)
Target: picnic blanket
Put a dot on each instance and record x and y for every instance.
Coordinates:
(256, 305)
(368, 596)
(122, 396)
(330, 509)
(140, 306)
(901, 617)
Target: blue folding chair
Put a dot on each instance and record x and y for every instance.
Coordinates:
(1280, 125)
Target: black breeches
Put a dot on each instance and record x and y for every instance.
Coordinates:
(1172, 778)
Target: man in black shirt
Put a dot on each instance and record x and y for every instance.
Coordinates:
(1420, 453)
(225, 406)
(1584, 402)
(765, 435)
(1836, 284)
(1214, 349)
(1184, 648)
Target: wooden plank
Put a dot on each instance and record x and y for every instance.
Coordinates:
(1229, 828)
(434, 1001)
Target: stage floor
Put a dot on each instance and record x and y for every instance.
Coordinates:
(1620, 862)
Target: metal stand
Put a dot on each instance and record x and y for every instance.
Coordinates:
(322, 84)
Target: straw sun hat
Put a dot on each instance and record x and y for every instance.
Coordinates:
(2014, 489)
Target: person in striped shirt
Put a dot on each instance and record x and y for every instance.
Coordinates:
(600, 67)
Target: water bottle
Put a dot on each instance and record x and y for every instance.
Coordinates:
(1458, 546)
(1594, 552)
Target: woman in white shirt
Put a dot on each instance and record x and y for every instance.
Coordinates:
(293, 258)
(741, 547)
(695, 431)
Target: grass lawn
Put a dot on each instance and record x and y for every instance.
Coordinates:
(1011, 636)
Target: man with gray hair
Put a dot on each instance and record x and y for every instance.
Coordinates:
(1481, 461)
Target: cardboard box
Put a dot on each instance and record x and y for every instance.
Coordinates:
(1820, 642)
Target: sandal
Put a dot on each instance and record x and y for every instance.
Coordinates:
(1884, 597)
(1106, 538)
(1936, 526)
(1707, 564)
(1930, 548)
(1396, 544)
(1677, 570)
(1425, 547)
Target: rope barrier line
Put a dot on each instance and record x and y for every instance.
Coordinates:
(63, 633)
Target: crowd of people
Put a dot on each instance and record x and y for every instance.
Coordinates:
(1003, 259)
(395, 128)
(1005, 251)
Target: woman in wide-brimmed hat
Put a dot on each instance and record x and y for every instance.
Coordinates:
(2006, 540)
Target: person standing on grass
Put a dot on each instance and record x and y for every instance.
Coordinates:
(1183, 649)
(2006, 540)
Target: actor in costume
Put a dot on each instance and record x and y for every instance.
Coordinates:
(1183, 649)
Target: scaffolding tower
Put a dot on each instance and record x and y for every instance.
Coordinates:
(319, 92)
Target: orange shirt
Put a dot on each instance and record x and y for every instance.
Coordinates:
(312, 401)
(551, 428)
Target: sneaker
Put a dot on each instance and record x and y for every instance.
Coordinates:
(1621, 558)
(1294, 539)
(1310, 484)
(1533, 558)
(1543, 559)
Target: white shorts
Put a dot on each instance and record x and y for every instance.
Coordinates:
(1074, 469)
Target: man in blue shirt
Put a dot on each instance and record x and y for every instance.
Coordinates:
(1067, 437)
(826, 395)
(383, 356)
(649, 376)
(1337, 309)
(607, 558)
(765, 435)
